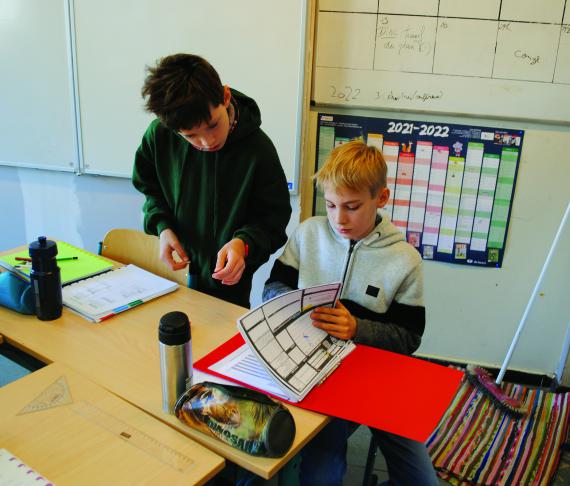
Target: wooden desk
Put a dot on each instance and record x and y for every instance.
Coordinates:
(121, 354)
(72, 431)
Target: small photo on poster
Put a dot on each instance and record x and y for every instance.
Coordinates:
(428, 252)
(414, 239)
(493, 255)
(508, 139)
(460, 251)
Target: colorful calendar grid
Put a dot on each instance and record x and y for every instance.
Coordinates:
(451, 186)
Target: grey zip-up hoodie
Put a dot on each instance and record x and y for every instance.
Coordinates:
(381, 274)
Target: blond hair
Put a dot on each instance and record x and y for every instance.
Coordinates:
(353, 165)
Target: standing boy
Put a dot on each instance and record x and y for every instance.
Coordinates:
(216, 194)
(381, 303)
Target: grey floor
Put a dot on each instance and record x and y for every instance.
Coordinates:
(358, 444)
(357, 452)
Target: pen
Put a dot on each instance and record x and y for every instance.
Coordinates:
(62, 259)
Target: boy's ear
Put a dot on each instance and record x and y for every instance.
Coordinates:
(227, 95)
(383, 197)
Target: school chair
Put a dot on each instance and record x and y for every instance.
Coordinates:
(369, 478)
(132, 246)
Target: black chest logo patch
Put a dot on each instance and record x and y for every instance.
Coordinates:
(372, 291)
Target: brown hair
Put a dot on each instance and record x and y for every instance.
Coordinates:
(353, 165)
(181, 89)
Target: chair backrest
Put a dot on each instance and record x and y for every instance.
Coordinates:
(132, 246)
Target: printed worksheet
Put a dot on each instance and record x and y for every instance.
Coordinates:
(14, 472)
(281, 335)
(243, 365)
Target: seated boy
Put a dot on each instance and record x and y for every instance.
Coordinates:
(381, 302)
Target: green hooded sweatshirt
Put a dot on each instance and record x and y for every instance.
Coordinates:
(209, 198)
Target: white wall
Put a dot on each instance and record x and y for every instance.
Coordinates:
(77, 209)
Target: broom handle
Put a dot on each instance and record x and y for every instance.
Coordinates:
(531, 300)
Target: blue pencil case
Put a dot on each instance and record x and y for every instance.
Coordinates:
(16, 294)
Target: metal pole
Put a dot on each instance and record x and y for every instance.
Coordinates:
(533, 296)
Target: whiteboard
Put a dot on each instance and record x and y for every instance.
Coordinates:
(508, 59)
(37, 122)
(256, 46)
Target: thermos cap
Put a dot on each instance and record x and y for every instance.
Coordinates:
(174, 328)
(43, 248)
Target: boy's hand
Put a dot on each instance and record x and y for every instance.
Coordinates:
(231, 262)
(337, 321)
(168, 245)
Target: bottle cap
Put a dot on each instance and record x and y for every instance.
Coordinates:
(174, 328)
(43, 248)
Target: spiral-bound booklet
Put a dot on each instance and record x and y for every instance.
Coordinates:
(105, 295)
(284, 354)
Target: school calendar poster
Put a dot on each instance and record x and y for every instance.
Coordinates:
(451, 186)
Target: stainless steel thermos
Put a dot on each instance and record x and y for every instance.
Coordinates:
(45, 279)
(175, 346)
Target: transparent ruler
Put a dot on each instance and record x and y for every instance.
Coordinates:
(133, 436)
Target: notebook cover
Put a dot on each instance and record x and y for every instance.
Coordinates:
(87, 264)
(399, 394)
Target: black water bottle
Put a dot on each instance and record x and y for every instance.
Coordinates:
(45, 279)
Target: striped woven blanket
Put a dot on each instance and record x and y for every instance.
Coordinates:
(476, 443)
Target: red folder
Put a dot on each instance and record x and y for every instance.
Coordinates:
(388, 391)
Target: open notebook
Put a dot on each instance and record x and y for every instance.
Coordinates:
(86, 265)
(105, 295)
